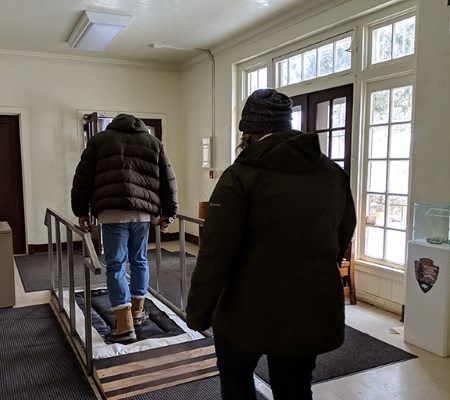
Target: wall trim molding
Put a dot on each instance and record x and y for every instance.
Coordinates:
(380, 302)
(28, 56)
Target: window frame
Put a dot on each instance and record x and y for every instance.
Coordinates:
(390, 20)
(316, 46)
(372, 87)
(361, 74)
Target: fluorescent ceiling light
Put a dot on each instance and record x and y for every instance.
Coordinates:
(95, 30)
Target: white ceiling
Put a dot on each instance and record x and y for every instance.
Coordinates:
(44, 25)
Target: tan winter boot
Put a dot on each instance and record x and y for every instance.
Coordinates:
(137, 310)
(124, 332)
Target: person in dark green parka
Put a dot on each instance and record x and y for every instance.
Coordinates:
(267, 276)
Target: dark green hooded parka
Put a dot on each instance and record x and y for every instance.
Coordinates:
(278, 222)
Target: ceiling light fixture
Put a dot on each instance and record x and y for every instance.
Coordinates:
(95, 30)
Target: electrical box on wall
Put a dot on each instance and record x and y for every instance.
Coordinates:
(207, 144)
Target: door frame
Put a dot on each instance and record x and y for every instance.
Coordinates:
(20, 244)
(308, 101)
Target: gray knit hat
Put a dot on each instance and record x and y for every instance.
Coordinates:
(266, 111)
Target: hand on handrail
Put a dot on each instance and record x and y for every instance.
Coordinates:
(164, 223)
(84, 222)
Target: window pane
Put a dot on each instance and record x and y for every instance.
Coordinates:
(376, 180)
(323, 141)
(400, 141)
(295, 69)
(339, 111)
(397, 212)
(325, 55)
(395, 246)
(256, 80)
(404, 35)
(322, 117)
(401, 104)
(102, 123)
(382, 44)
(310, 64)
(340, 163)
(378, 141)
(379, 107)
(337, 144)
(282, 73)
(374, 242)
(375, 209)
(398, 177)
(252, 82)
(262, 78)
(297, 117)
(343, 56)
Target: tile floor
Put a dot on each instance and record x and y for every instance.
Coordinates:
(424, 378)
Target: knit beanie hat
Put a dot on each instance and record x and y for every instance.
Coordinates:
(266, 111)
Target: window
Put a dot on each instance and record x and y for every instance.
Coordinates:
(393, 41)
(256, 79)
(327, 59)
(388, 137)
(366, 65)
(329, 114)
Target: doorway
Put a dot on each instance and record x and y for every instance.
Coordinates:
(11, 184)
(329, 114)
(93, 124)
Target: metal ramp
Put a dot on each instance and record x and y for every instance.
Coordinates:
(125, 374)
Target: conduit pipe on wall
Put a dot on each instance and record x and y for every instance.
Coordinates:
(213, 94)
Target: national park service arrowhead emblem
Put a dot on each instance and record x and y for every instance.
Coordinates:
(426, 273)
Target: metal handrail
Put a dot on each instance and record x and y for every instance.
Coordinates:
(180, 311)
(91, 265)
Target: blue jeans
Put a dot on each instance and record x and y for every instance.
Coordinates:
(122, 242)
(290, 379)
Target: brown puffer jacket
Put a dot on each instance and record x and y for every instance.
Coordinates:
(278, 221)
(125, 168)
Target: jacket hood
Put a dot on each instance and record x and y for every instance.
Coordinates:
(290, 151)
(127, 123)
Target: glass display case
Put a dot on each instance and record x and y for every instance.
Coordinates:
(432, 223)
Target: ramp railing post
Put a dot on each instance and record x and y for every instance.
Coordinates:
(73, 328)
(158, 259)
(91, 265)
(182, 240)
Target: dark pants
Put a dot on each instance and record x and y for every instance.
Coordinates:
(289, 378)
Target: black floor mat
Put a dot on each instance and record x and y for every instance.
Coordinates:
(37, 362)
(157, 326)
(359, 352)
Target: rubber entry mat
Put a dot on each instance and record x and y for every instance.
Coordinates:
(158, 325)
(37, 361)
(203, 389)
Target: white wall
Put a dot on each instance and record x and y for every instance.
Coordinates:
(431, 151)
(47, 92)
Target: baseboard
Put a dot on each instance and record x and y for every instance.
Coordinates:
(380, 302)
(43, 248)
(77, 245)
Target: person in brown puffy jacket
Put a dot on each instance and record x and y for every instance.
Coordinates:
(124, 178)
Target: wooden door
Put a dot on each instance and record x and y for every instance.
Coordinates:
(329, 114)
(11, 185)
